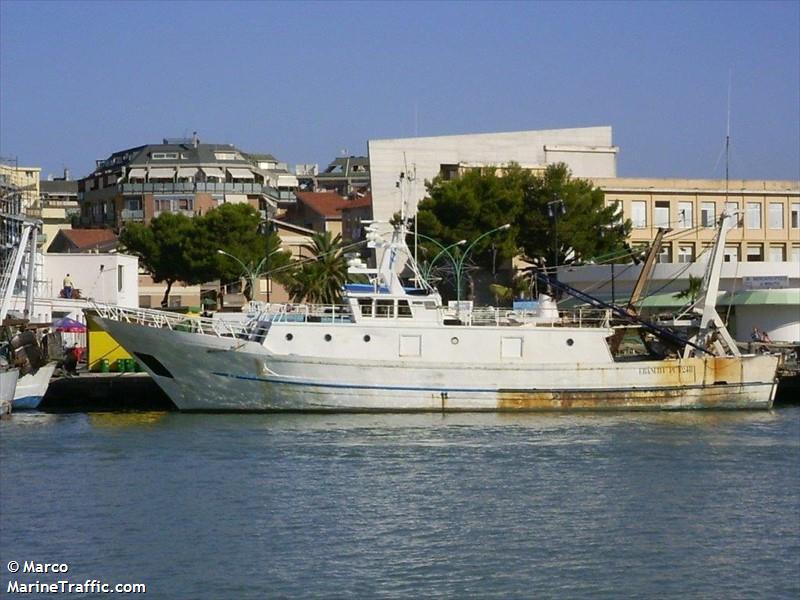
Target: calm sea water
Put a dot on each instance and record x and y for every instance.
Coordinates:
(685, 505)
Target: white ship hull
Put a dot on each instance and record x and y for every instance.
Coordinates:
(32, 387)
(209, 373)
(8, 383)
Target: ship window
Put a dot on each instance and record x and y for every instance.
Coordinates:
(403, 309)
(328, 337)
(289, 337)
(570, 341)
(384, 308)
(365, 304)
(367, 338)
(454, 340)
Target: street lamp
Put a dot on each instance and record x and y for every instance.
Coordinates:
(444, 250)
(252, 274)
(554, 208)
(459, 260)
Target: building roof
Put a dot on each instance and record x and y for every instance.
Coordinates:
(325, 204)
(292, 227)
(83, 240)
(188, 153)
(260, 157)
(347, 166)
(364, 201)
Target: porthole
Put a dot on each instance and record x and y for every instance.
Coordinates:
(570, 341)
(367, 338)
(289, 337)
(328, 337)
(454, 340)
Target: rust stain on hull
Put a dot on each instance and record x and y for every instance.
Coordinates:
(712, 382)
(722, 396)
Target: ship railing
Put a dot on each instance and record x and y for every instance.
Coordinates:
(175, 321)
(581, 317)
(306, 313)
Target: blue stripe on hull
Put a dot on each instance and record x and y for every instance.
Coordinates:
(26, 403)
(411, 388)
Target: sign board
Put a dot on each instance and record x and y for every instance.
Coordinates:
(766, 282)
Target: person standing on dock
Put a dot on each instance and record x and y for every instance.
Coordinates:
(68, 287)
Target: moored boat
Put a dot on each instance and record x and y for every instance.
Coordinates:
(32, 387)
(390, 348)
(8, 383)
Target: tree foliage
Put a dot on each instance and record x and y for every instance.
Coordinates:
(164, 249)
(483, 199)
(693, 290)
(174, 247)
(236, 229)
(320, 278)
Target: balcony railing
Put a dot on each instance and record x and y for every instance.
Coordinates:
(188, 213)
(187, 187)
(132, 215)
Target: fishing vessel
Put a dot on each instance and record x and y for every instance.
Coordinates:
(394, 348)
(20, 342)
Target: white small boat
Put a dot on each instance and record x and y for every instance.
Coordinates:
(8, 383)
(390, 348)
(32, 387)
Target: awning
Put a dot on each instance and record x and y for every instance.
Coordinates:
(162, 173)
(213, 172)
(187, 171)
(69, 325)
(767, 297)
(140, 173)
(287, 181)
(241, 173)
(790, 296)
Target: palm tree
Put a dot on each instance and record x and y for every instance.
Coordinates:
(693, 291)
(320, 279)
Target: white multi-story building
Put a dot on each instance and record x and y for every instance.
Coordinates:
(587, 151)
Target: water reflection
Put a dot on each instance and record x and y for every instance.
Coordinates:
(112, 420)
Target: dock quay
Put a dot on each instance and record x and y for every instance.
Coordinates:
(103, 392)
(109, 392)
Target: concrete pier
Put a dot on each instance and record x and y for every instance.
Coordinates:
(95, 392)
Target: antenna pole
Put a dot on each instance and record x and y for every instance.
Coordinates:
(728, 132)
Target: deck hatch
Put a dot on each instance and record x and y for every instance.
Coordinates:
(410, 345)
(511, 347)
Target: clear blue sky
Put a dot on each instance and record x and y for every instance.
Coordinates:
(303, 81)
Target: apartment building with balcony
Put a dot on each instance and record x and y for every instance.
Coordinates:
(25, 180)
(345, 176)
(179, 176)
